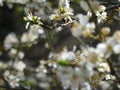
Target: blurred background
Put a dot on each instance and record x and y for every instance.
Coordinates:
(11, 20)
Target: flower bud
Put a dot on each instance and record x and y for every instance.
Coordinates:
(105, 31)
(101, 8)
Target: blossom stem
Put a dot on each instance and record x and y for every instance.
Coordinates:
(49, 40)
(98, 32)
(113, 72)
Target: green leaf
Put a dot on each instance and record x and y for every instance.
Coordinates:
(62, 10)
(35, 18)
(27, 82)
(63, 62)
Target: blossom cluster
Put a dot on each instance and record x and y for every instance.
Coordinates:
(83, 67)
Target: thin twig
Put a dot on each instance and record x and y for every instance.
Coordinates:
(49, 40)
(113, 72)
(9, 88)
(111, 7)
(98, 32)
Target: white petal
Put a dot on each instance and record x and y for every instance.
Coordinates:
(101, 49)
(116, 49)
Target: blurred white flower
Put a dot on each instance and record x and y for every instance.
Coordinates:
(84, 5)
(105, 49)
(32, 35)
(101, 16)
(110, 77)
(103, 67)
(101, 49)
(20, 55)
(76, 29)
(116, 36)
(73, 78)
(54, 17)
(13, 81)
(3, 65)
(67, 4)
(26, 38)
(63, 74)
(29, 17)
(83, 27)
(105, 31)
(105, 85)
(17, 1)
(12, 52)
(1, 2)
(68, 11)
(87, 86)
(19, 65)
(83, 19)
(101, 8)
(6, 73)
(44, 85)
(79, 26)
(10, 40)
(116, 49)
(66, 55)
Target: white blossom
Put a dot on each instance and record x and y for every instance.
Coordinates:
(19, 65)
(103, 67)
(32, 35)
(101, 16)
(83, 27)
(116, 49)
(14, 82)
(101, 8)
(10, 40)
(1, 2)
(67, 4)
